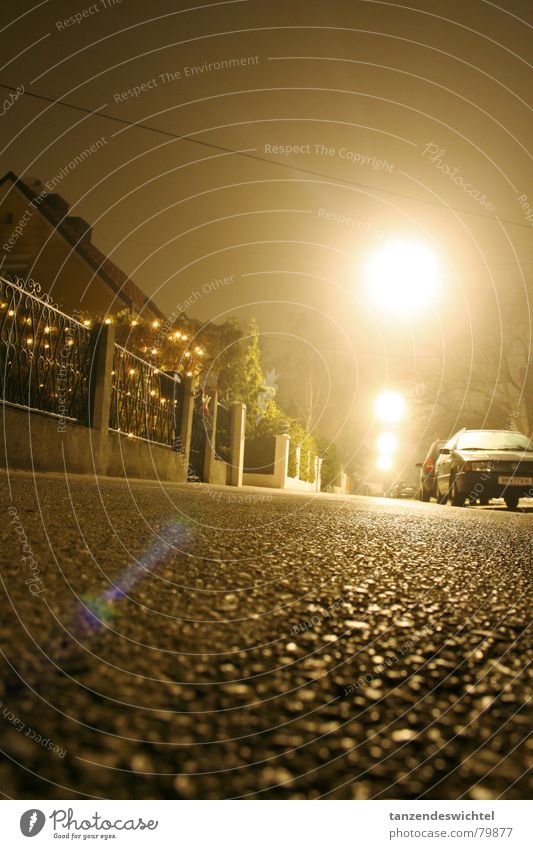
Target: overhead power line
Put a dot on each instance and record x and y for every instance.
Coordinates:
(248, 155)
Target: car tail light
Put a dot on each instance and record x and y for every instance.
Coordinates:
(467, 466)
(429, 465)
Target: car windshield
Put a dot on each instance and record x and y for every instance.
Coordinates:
(493, 440)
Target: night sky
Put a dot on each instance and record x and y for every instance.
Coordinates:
(314, 132)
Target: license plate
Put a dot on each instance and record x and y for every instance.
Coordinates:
(515, 481)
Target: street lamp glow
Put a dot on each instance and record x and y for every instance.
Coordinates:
(390, 406)
(403, 276)
(387, 443)
(384, 462)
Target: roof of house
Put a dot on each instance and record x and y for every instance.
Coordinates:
(77, 233)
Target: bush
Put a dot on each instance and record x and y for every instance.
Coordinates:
(308, 452)
(331, 467)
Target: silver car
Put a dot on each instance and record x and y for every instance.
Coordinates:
(482, 464)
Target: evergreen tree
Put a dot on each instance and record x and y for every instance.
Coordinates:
(254, 379)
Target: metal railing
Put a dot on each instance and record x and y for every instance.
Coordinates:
(44, 353)
(200, 433)
(145, 401)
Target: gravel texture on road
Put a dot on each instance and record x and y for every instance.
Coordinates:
(167, 641)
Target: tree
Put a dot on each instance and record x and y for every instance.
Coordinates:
(484, 379)
(331, 467)
(252, 380)
(317, 378)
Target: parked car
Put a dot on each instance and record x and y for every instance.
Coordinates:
(427, 488)
(402, 489)
(485, 464)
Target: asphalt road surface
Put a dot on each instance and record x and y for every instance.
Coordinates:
(185, 642)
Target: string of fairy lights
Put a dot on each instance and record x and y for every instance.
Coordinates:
(144, 350)
(172, 350)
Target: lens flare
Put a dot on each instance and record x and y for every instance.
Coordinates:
(99, 611)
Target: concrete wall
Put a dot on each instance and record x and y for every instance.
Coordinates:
(278, 479)
(304, 486)
(345, 485)
(32, 441)
(219, 472)
(138, 458)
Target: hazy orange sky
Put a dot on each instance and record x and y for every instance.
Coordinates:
(361, 121)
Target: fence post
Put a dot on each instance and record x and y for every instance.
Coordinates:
(209, 454)
(189, 388)
(170, 390)
(238, 432)
(344, 482)
(281, 460)
(318, 473)
(100, 391)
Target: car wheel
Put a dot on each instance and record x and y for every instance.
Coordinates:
(458, 498)
(441, 499)
(484, 501)
(423, 494)
(511, 500)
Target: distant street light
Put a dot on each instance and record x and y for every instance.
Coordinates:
(403, 276)
(387, 443)
(384, 462)
(390, 406)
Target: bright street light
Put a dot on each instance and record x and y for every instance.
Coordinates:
(390, 406)
(403, 276)
(387, 443)
(384, 463)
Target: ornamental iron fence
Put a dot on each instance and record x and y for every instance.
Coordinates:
(145, 402)
(200, 434)
(45, 355)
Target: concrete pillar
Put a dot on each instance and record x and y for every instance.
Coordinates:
(169, 391)
(100, 390)
(189, 388)
(318, 473)
(298, 454)
(281, 461)
(100, 384)
(238, 433)
(209, 455)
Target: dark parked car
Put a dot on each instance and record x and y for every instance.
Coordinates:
(485, 464)
(427, 488)
(402, 489)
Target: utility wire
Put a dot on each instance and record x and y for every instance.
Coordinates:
(256, 157)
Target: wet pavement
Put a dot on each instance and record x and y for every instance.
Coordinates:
(167, 641)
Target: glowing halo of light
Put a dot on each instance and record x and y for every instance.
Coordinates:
(387, 443)
(403, 276)
(389, 406)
